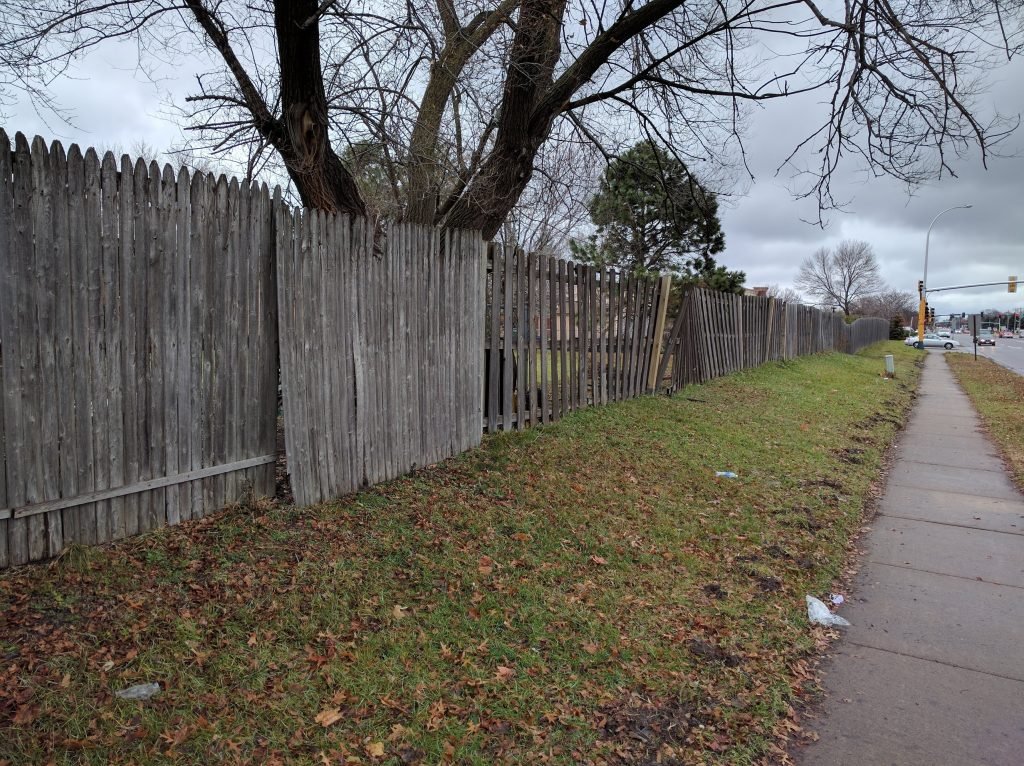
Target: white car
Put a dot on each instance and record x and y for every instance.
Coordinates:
(932, 340)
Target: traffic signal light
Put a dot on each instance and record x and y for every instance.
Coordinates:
(1011, 284)
(920, 286)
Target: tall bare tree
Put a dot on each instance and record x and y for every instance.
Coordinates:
(462, 97)
(842, 276)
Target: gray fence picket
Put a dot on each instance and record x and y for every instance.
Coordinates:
(544, 335)
(13, 544)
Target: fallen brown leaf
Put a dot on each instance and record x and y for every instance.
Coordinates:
(328, 716)
(504, 673)
(25, 715)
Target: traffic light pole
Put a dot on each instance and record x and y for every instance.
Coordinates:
(922, 291)
(922, 285)
(921, 312)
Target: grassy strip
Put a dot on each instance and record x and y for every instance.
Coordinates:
(998, 395)
(587, 592)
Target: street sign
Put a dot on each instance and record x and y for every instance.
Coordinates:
(974, 322)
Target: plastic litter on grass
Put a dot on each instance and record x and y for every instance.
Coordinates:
(819, 614)
(139, 692)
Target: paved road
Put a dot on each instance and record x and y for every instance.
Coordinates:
(932, 671)
(1007, 352)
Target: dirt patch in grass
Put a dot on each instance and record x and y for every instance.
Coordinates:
(648, 731)
(587, 592)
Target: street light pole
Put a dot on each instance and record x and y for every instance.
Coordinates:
(924, 282)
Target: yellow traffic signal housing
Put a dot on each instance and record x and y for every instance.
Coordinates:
(1011, 284)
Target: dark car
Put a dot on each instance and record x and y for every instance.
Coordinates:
(986, 340)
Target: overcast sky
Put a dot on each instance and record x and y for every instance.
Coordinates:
(766, 238)
(765, 235)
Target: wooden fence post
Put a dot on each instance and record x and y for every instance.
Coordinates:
(664, 292)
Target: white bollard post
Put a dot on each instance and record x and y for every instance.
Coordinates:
(890, 366)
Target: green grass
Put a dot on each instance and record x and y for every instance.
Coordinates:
(998, 395)
(586, 592)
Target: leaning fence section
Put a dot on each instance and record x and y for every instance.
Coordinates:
(715, 334)
(137, 346)
(381, 339)
(561, 336)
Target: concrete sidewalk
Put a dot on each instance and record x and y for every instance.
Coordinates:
(932, 671)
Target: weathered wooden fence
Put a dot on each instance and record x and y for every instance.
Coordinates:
(716, 334)
(380, 351)
(138, 346)
(562, 336)
(141, 311)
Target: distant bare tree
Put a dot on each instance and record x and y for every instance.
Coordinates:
(888, 304)
(784, 294)
(841, 277)
(140, 149)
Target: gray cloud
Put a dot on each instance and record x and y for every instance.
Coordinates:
(766, 238)
(115, 105)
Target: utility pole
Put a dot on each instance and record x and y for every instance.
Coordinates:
(922, 285)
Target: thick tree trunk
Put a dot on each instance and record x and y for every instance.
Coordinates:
(531, 102)
(425, 170)
(320, 177)
(495, 189)
(522, 128)
(424, 166)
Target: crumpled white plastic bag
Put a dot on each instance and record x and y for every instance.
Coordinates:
(139, 692)
(819, 614)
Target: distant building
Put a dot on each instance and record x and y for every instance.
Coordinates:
(760, 292)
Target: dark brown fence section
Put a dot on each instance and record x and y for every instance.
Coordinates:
(137, 346)
(380, 350)
(561, 336)
(716, 334)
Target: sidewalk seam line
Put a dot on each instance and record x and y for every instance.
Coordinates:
(945, 574)
(953, 465)
(911, 460)
(950, 524)
(932, 659)
(1018, 499)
